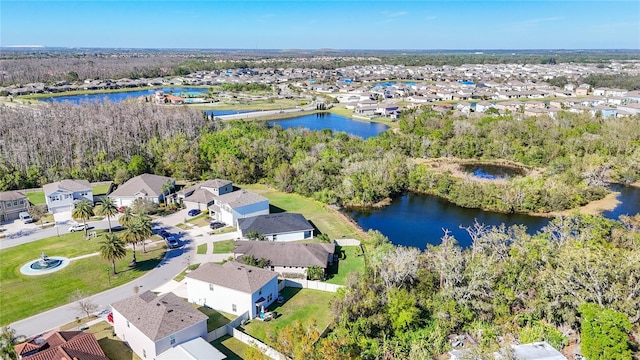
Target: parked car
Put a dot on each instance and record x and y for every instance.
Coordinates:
(121, 209)
(216, 225)
(78, 227)
(25, 217)
(193, 212)
(172, 242)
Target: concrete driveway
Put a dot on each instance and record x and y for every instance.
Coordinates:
(63, 218)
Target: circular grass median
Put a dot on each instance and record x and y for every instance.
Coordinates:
(23, 296)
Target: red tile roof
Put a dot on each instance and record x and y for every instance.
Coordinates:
(67, 345)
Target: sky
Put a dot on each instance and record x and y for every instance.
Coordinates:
(335, 24)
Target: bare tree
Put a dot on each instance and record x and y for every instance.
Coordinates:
(83, 303)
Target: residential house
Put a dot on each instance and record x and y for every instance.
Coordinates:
(232, 287)
(61, 196)
(75, 345)
(277, 227)
(288, 258)
(196, 349)
(153, 324)
(12, 203)
(583, 90)
(605, 111)
(631, 108)
(240, 204)
(146, 186)
(483, 106)
(202, 195)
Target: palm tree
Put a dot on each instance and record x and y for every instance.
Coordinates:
(166, 190)
(8, 339)
(112, 249)
(132, 236)
(126, 217)
(144, 228)
(84, 211)
(107, 208)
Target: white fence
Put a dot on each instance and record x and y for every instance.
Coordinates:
(266, 349)
(228, 328)
(311, 284)
(346, 242)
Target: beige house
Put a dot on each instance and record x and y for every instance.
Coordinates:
(12, 203)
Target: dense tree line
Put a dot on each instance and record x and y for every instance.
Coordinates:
(116, 141)
(625, 81)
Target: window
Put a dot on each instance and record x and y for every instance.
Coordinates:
(173, 339)
(128, 323)
(15, 203)
(9, 204)
(211, 287)
(234, 308)
(144, 353)
(269, 298)
(21, 202)
(260, 292)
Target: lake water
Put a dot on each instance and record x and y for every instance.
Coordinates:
(322, 121)
(124, 95)
(417, 219)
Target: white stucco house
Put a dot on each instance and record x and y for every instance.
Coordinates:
(230, 207)
(61, 196)
(233, 287)
(277, 227)
(145, 186)
(152, 324)
(202, 195)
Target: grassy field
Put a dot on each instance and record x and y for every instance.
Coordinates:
(216, 318)
(326, 220)
(233, 348)
(200, 220)
(252, 105)
(51, 290)
(181, 276)
(223, 247)
(202, 249)
(351, 260)
(36, 198)
(300, 304)
(100, 189)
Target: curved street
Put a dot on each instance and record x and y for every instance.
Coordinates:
(175, 261)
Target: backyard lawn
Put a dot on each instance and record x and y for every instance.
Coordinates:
(112, 346)
(224, 247)
(299, 304)
(52, 290)
(351, 260)
(327, 220)
(100, 189)
(233, 348)
(216, 318)
(36, 198)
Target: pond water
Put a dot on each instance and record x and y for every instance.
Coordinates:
(334, 122)
(124, 95)
(491, 171)
(417, 219)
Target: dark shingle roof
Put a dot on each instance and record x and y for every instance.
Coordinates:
(275, 224)
(214, 183)
(158, 316)
(149, 184)
(287, 253)
(66, 184)
(240, 198)
(233, 275)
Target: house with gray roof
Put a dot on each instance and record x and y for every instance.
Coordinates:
(146, 186)
(202, 195)
(61, 196)
(12, 203)
(152, 324)
(277, 227)
(232, 287)
(239, 204)
(288, 257)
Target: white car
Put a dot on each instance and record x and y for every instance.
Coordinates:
(78, 227)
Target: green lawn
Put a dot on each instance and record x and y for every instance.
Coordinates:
(202, 249)
(36, 198)
(100, 189)
(224, 247)
(233, 348)
(52, 290)
(300, 304)
(112, 346)
(325, 219)
(216, 318)
(189, 268)
(351, 260)
(200, 220)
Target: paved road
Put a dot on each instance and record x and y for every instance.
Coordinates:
(175, 261)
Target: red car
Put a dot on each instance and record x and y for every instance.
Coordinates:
(121, 209)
